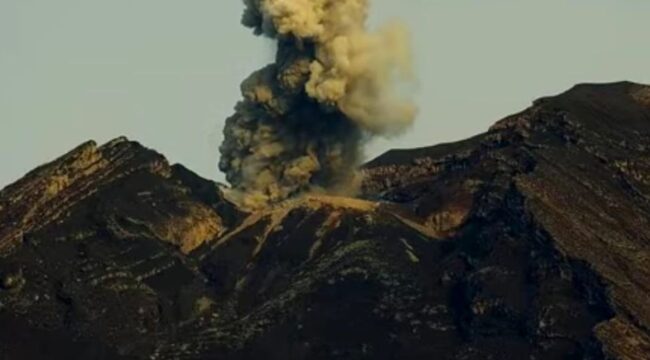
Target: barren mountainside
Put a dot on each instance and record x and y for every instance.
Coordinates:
(530, 241)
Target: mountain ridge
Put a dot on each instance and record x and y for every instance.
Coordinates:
(532, 237)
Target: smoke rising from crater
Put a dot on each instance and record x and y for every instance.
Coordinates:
(303, 119)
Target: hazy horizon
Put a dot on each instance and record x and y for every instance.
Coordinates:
(167, 73)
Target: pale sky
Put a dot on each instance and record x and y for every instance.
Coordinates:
(167, 72)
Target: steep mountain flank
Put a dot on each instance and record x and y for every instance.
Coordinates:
(577, 166)
(530, 241)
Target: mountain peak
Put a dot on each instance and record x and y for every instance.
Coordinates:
(532, 238)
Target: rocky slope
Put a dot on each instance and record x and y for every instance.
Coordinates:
(530, 241)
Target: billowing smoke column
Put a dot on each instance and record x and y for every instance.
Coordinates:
(303, 119)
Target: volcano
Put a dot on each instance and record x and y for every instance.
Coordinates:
(529, 241)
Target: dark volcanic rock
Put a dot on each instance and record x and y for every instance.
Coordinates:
(530, 241)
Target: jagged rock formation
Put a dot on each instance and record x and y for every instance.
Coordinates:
(529, 241)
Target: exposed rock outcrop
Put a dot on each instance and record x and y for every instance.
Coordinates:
(528, 241)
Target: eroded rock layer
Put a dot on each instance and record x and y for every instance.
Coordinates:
(528, 241)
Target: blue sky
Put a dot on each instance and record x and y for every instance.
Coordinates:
(167, 73)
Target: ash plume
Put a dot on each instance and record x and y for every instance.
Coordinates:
(303, 120)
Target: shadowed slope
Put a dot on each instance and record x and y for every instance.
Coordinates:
(530, 240)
